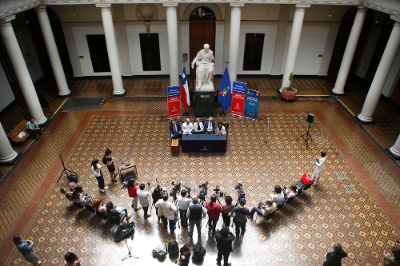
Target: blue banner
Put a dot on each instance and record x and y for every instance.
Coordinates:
(239, 87)
(174, 91)
(252, 104)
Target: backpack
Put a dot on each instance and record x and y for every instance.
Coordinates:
(72, 178)
(160, 253)
(198, 254)
(173, 249)
(124, 231)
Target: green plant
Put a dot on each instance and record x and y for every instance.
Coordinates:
(290, 79)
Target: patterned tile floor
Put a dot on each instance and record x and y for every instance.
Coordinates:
(357, 202)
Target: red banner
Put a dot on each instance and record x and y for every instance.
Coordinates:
(238, 98)
(174, 101)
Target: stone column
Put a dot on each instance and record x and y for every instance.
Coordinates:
(21, 70)
(381, 73)
(395, 149)
(51, 46)
(112, 49)
(350, 50)
(7, 153)
(234, 36)
(172, 30)
(294, 41)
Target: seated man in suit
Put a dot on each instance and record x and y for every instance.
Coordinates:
(175, 130)
(198, 127)
(209, 126)
(220, 130)
(187, 127)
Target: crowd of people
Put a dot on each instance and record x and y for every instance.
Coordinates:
(187, 211)
(198, 127)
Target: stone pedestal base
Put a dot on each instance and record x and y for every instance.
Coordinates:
(204, 104)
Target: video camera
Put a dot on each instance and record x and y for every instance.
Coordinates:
(218, 192)
(203, 191)
(157, 192)
(240, 192)
(176, 187)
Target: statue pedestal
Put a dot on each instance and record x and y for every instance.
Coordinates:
(204, 103)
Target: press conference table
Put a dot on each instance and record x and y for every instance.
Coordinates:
(204, 143)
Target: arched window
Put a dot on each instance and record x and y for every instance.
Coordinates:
(202, 13)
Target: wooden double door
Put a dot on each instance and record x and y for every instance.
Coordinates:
(201, 32)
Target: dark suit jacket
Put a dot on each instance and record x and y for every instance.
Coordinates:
(172, 130)
(224, 243)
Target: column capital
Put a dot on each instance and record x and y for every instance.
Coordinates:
(236, 4)
(170, 4)
(395, 18)
(41, 8)
(303, 5)
(103, 5)
(7, 19)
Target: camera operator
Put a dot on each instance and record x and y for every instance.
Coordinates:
(167, 211)
(183, 203)
(156, 195)
(176, 188)
(226, 209)
(144, 199)
(264, 208)
(203, 192)
(195, 213)
(213, 210)
(240, 215)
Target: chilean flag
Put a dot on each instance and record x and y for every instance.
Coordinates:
(185, 91)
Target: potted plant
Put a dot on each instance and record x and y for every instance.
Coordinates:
(289, 93)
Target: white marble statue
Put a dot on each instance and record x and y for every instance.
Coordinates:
(204, 62)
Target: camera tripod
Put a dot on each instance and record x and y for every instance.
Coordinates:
(306, 136)
(129, 251)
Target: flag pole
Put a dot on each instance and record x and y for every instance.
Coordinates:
(223, 111)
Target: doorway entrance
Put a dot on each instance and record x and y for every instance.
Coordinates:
(98, 52)
(201, 30)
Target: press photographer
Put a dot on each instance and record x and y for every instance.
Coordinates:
(240, 193)
(176, 188)
(203, 192)
(183, 202)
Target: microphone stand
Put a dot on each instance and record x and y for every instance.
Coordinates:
(129, 251)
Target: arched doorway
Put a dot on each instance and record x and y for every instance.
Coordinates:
(201, 30)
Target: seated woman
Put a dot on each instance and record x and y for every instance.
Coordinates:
(113, 211)
(99, 206)
(220, 130)
(264, 208)
(291, 192)
(278, 197)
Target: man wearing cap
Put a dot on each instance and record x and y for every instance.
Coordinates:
(240, 215)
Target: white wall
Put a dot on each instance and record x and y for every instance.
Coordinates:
(7, 96)
(133, 30)
(82, 48)
(270, 31)
(312, 46)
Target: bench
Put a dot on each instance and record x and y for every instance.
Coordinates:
(19, 134)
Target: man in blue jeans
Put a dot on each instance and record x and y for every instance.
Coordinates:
(195, 214)
(167, 211)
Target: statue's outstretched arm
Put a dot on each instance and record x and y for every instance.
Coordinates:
(195, 59)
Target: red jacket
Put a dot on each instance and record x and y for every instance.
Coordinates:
(213, 210)
(132, 191)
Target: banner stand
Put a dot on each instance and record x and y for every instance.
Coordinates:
(174, 101)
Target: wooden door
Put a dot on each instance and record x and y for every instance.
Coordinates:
(98, 52)
(201, 32)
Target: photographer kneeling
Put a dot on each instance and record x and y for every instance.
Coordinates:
(264, 208)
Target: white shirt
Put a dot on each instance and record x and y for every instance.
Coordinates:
(222, 131)
(144, 198)
(166, 209)
(210, 126)
(196, 127)
(183, 203)
(278, 198)
(187, 128)
(320, 162)
(97, 172)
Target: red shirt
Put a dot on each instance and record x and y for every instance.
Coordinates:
(132, 191)
(213, 210)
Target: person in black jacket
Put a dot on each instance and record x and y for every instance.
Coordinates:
(175, 130)
(224, 240)
(334, 258)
